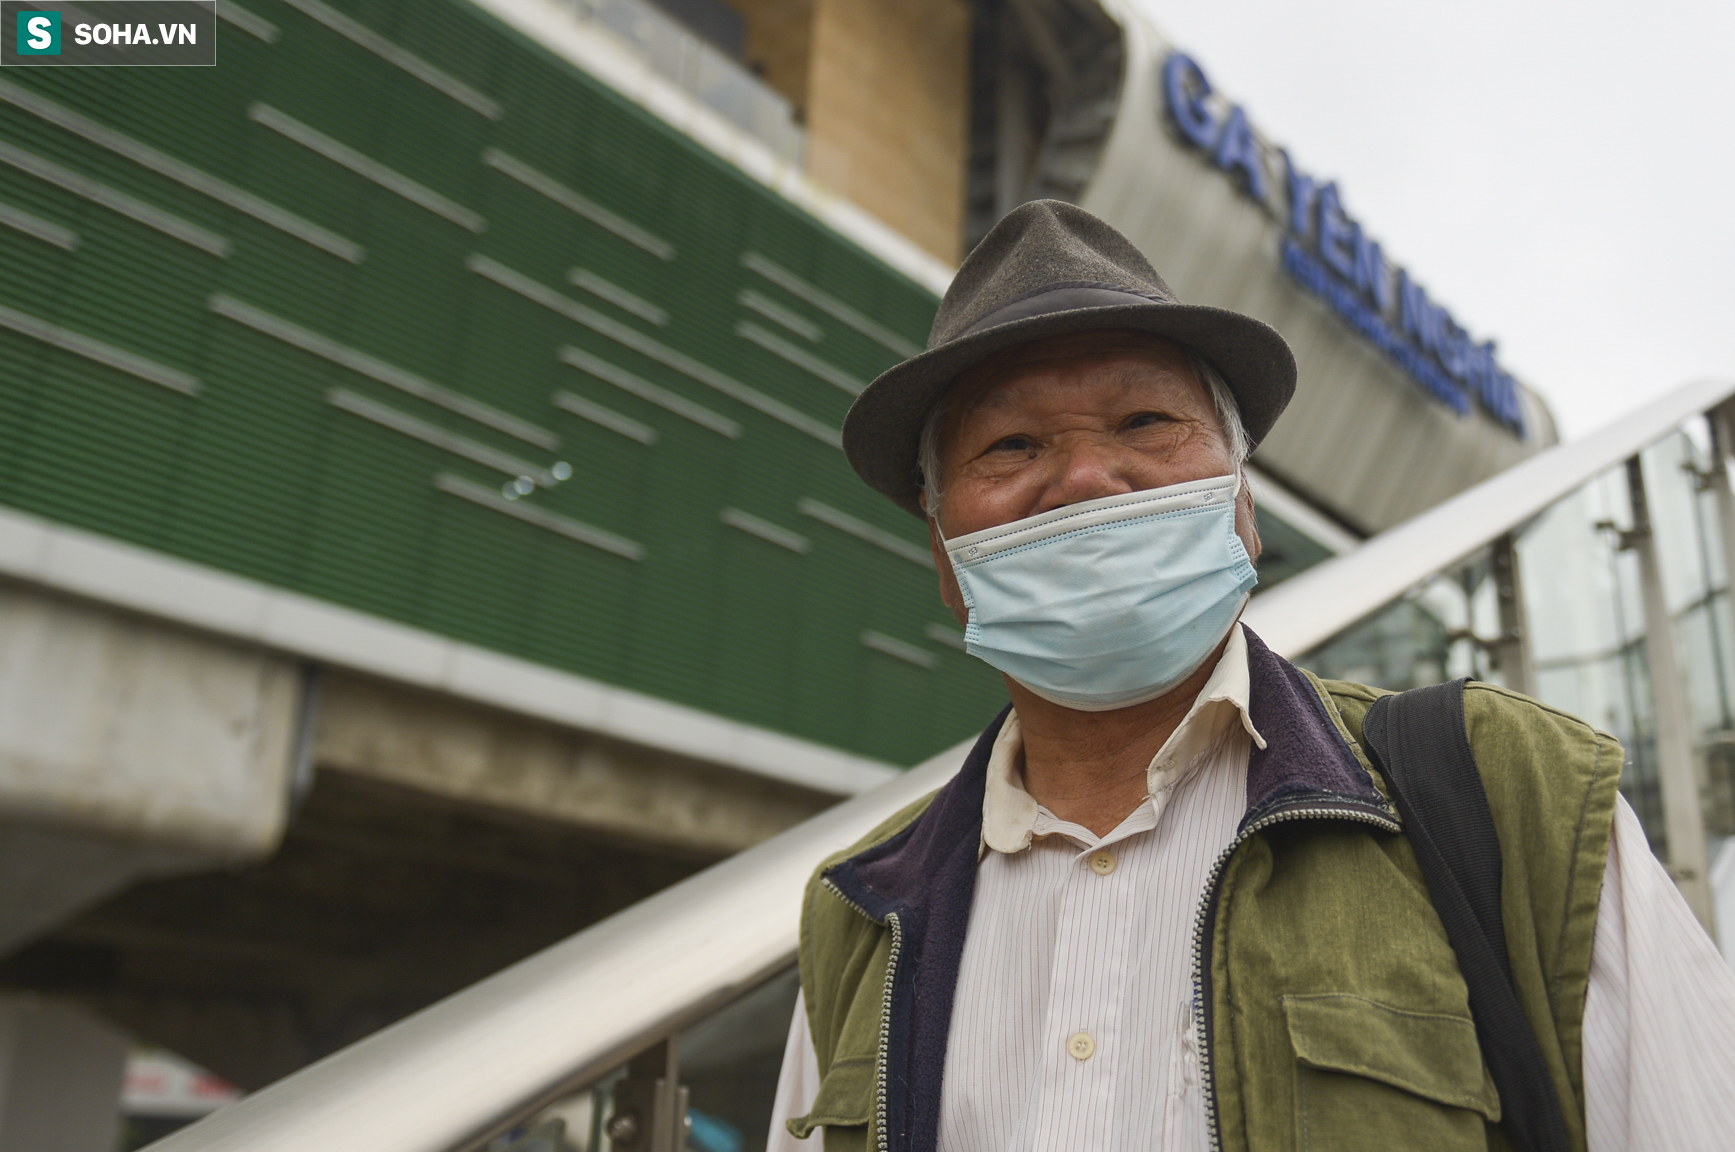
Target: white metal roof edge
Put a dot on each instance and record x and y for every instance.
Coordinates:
(142, 580)
(599, 53)
(1298, 513)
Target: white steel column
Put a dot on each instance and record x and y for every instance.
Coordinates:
(1722, 422)
(60, 1077)
(1511, 649)
(650, 1105)
(1679, 776)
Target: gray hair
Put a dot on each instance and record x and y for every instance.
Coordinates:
(1228, 415)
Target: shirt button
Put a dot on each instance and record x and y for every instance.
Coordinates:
(1080, 1046)
(1102, 862)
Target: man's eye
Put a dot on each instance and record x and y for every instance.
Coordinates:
(1143, 420)
(1013, 444)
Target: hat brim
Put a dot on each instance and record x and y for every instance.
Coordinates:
(882, 433)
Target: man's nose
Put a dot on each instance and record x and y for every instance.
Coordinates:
(1086, 469)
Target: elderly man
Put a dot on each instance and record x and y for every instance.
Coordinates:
(1169, 902)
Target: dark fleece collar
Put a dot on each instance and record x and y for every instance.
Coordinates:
(926, 874)
(1304, 753)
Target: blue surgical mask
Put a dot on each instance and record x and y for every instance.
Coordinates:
(1111, 602)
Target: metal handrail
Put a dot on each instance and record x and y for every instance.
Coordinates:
(454, 1073)
(461, 1069)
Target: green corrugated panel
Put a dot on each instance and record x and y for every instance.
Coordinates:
(261, 474)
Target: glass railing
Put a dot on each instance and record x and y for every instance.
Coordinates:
(727, 1063)
(1594, 576)
(1627, 573)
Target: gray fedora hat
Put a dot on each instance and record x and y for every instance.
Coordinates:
(1050, 267)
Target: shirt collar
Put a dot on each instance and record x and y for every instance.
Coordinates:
(1009, 812)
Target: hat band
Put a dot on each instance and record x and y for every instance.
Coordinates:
(1068, 299)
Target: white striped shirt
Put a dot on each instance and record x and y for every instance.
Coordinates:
(1071, 1028)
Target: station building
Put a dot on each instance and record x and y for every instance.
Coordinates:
(422, 518)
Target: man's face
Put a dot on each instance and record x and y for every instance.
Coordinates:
(1069, 419)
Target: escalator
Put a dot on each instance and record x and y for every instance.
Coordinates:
(657, 1017)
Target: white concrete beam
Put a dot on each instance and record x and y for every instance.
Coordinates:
(124, 728)
(141, 580)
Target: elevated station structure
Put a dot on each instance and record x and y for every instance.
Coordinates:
(649, 1017)
(422, 521)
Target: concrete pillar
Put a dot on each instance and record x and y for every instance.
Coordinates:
(60, 1077)
(779, 45)
(120, 726)
(883, 88)
(130, 748)
(888, 110)
(1683, 819)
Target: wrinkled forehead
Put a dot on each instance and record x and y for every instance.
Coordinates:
(1133, 356)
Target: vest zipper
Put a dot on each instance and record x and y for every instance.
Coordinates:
(1201, 925)
(880, 1075)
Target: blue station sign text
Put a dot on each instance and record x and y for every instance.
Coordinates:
(1329, 254)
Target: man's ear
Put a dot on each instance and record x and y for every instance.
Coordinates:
(1246, 524)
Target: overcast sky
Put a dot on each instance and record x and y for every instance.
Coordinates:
(1560, 176)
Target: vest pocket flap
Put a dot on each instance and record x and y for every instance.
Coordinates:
(845, 1098)
(1433, 1056)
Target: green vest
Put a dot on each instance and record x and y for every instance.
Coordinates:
(1333, 1014)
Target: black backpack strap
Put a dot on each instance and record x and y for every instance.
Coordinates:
(1418, 742)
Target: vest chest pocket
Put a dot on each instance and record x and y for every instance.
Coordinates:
(842, 1106)
(1370, 1076)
